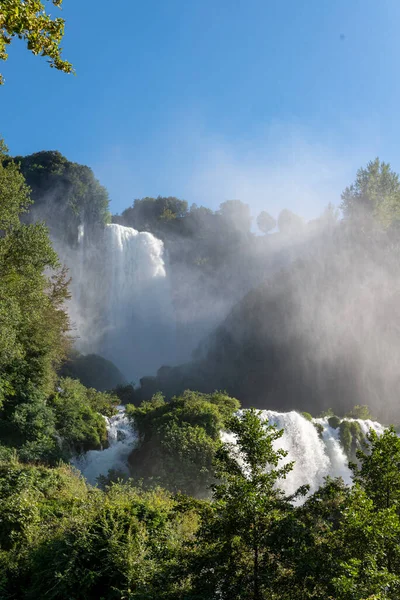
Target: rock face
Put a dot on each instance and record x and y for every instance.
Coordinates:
(93, 371)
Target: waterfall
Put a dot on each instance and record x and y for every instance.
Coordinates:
(120, 304)
(338, 461)
(315, 455)
(121, 439)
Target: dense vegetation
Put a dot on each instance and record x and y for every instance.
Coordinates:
(179, 439)
(64, 540)
(35, 406)
(65, 195)
(197, 519)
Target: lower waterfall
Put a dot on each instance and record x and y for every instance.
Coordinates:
(316, 455)
(121, 439)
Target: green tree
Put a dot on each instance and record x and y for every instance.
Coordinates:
(265, 222)
(335, 546)
(29, 21)
(370, 532)
(308, 553)
(78, 415)
(33, 320)
(64, 194)
(234, 560)
(375, 195)
(368, 540)
(359, 411)
(344, 542)
(379, 470)
(32, 317)
(179, 439)
(155, 214)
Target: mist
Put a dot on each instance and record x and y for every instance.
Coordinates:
(301, 314)
(321, 333)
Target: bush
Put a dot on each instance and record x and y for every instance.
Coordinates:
(178, 440)
(78, 421)
(307, 416)
(126, 394)
(359, 412)
(61, 540)
(28, 428)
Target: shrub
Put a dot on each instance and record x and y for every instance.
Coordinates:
(78, 421)
(179, 439)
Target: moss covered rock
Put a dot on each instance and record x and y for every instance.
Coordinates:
(334, 422)
(351, 437)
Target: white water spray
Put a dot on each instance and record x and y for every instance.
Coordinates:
(315, 456)
(121, 304)
(121, 438)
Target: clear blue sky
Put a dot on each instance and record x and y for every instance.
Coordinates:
(214, 99)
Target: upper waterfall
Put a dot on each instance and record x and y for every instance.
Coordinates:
(120, 302)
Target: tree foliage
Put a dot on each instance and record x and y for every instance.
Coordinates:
(33, 321)
(61, 540)
(236, 214)
(234, 559)
(374, 196)
(154, 214)
(178, 439)
(29, 21)
(65, 195)
(78, 415)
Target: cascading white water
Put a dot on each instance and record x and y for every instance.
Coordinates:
(367, 424)
(121, 438)
(338, 461)
(315, 456)
(121, 303)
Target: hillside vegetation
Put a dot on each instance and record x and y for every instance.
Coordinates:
(200, 519)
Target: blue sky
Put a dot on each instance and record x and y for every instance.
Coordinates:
(273, 102)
